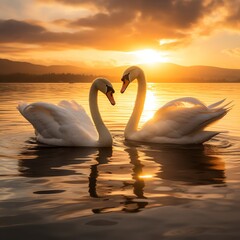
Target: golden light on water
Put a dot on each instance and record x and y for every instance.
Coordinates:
(147, 176)
(150, 106)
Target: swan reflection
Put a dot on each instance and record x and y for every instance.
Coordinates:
(102, 158)
(93, 178)
(138, 201)
(48, 161)
(188, 165)
(161, 173)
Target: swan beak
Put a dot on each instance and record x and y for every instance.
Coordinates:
(110, 97)
(125, 85)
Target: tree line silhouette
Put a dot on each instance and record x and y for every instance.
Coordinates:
(78, 78)
(46, 78)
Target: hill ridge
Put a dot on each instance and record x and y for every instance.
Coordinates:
(169, 72)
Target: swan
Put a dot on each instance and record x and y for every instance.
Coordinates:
(67, 124)
(180, 121)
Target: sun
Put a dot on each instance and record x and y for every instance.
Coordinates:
(148, 56)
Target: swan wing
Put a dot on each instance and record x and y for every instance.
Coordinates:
(65, 124)
(185, 101)
(182, 118)
(80, 114)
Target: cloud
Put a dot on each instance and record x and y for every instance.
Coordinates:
(233, 52)
(22, 32)
(127, 25)
(103, 20)
(19, 31)
(172, 12)
(233, 17)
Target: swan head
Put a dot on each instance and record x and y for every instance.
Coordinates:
(129, 75)
(103, 85)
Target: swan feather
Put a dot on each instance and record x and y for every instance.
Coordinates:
(181, 121)
(65, 124)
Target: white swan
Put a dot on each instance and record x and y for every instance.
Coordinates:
(67, 124)
(181, 121)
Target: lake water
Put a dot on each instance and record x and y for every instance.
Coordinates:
(130, 191)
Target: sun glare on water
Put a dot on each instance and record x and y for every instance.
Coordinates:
(147, 176)
(148, 56)
(150, 106)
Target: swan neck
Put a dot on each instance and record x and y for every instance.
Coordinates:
(105, 138)
(133, 122)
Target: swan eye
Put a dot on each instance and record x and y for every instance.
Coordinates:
(110, 89)
(125, 77)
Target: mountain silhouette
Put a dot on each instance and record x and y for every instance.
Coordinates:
(159, 72)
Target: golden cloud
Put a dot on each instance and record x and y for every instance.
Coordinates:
(126, 25)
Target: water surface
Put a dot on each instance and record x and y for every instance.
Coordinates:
(132, 190)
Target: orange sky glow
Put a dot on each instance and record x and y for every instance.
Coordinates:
(115, 32)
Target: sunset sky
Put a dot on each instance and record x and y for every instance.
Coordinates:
(105, 33)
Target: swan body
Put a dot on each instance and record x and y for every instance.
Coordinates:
(67, 124)
(181, 121)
